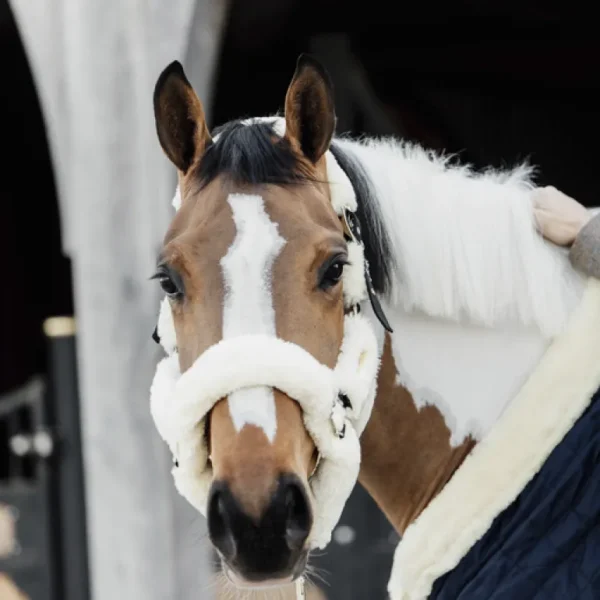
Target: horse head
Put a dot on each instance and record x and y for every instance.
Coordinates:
(253, 267)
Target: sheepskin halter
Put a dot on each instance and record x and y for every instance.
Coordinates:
(336, 403)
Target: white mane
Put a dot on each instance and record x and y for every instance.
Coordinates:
(465, 243)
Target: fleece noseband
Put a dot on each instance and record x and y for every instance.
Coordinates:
(336, 403)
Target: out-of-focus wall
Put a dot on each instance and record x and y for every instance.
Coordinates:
(95, 64)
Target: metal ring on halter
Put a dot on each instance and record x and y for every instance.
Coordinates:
(343, 401)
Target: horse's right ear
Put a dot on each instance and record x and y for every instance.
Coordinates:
(180, 121)
(309, 108)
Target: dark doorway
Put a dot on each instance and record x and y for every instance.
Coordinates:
(494, 83)
(36, 274)
(42, 517)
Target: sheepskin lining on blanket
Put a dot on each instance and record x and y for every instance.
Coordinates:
(501, 465)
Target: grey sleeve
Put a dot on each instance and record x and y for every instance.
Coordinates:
(585, 251)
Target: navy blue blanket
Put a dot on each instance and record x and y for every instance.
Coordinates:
(546, 544)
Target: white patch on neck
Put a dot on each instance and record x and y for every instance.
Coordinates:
(248, 307)
(469, 373)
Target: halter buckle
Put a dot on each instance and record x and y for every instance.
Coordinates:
(351, 226)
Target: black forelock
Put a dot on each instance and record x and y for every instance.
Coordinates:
(251, 154)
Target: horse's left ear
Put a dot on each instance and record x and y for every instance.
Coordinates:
(309, 109)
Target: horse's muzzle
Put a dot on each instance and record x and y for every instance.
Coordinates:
(270, 548)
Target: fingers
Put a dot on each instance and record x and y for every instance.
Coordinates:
(559, 218)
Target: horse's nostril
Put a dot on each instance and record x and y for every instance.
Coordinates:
(298, 520)
(219, 526)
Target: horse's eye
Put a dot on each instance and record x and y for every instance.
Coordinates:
(169, 282)
(168, 285)
(332, 274)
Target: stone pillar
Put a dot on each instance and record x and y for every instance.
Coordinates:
(95, 65)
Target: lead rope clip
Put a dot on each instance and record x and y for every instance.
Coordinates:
(301, 588)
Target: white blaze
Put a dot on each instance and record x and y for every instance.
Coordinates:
(248, 306)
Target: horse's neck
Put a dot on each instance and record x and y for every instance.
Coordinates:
(467, 251)
(406, 457)
(441, 388)
(469, 373)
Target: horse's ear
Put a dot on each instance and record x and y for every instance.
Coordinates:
(309, 108)
(180, 121)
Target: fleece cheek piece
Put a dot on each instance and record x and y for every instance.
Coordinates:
(180, 403)
(165, 328)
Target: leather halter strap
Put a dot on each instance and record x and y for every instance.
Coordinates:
(352, 232)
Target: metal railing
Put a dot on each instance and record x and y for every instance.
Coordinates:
(43, 540)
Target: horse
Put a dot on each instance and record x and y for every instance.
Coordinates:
(343, 309)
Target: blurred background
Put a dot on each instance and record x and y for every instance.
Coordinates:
(87, 505)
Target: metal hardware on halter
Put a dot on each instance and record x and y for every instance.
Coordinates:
(301, 588)
(338, 414)
(345, 401)
(353, 310)
(352, 228)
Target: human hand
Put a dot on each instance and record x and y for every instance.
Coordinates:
(559, 218)
(9, 590)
